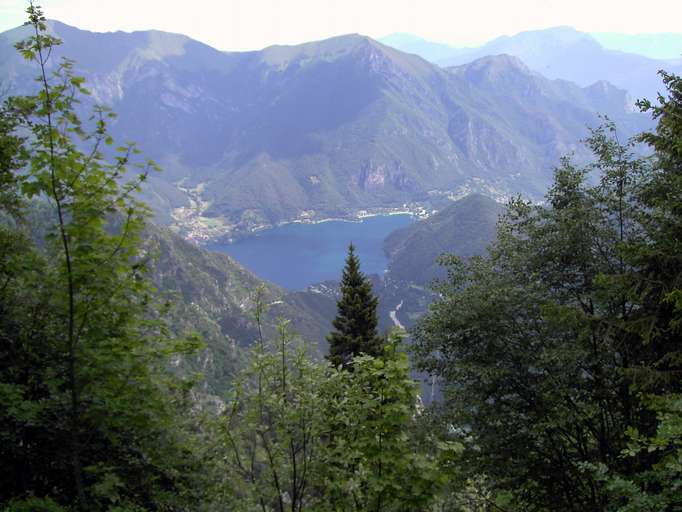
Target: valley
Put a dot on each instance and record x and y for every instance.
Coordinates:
(344, 273)
(298, 255)
(280, 157)
(329, 129)
(189, 221)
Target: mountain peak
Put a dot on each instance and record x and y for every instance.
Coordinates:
(341, 46)
(562, 34)
(327, 49)
(493, 69)
(502, 61)
(152, 44)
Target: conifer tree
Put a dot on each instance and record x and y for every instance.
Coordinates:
(355, 325)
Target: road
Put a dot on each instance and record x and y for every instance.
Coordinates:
(394, 316)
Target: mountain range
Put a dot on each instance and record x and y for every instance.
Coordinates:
(324, 129)
(660, 46)
(568, 54)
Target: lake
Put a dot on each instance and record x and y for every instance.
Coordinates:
(295, 256)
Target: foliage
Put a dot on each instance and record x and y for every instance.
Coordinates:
(272, 426)
(658, 287)
(33, 504)
(371, 460)
(551, 346)
(302, 435)
(658, 487)
(13, 156)
(355, 326)
(90, 415)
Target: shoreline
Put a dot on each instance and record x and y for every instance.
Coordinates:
(194, 228)
(357, 218)
(259, 229)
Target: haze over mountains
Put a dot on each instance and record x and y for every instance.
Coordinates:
(665, 46)
(326, 128)
(563, 52)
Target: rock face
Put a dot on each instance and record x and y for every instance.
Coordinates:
(325, 128)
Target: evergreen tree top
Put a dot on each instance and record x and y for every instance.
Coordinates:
(351, 275)
(355, 326)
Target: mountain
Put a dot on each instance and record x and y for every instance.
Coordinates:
(215, 296)
(655, 46)
(465, 228)
(212, 295)
(323, 129)
(567, 54)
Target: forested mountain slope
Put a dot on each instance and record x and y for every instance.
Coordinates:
(212, 295)
(324, 128)
(216, 297)
(464, 228)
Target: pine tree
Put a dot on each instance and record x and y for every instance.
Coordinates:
(356, 321)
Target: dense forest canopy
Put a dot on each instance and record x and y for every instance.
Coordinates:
(558, 352)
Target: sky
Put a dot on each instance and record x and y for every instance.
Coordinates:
(254, 24)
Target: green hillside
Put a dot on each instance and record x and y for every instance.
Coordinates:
(215, 296)
(322, 129)
(465, 228)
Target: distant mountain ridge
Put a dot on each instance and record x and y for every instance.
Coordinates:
(429, 50)
(323, 129)
(565, 53)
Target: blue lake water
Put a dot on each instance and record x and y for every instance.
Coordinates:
(297, 255)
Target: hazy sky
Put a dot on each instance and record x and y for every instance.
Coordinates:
(253, 24)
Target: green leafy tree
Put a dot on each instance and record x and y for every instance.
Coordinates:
(302, 435)
(372, 460)
(355, 326)
(540, 344)
(271, 430)
(13, 157)
(656, 288)
(90, 417)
